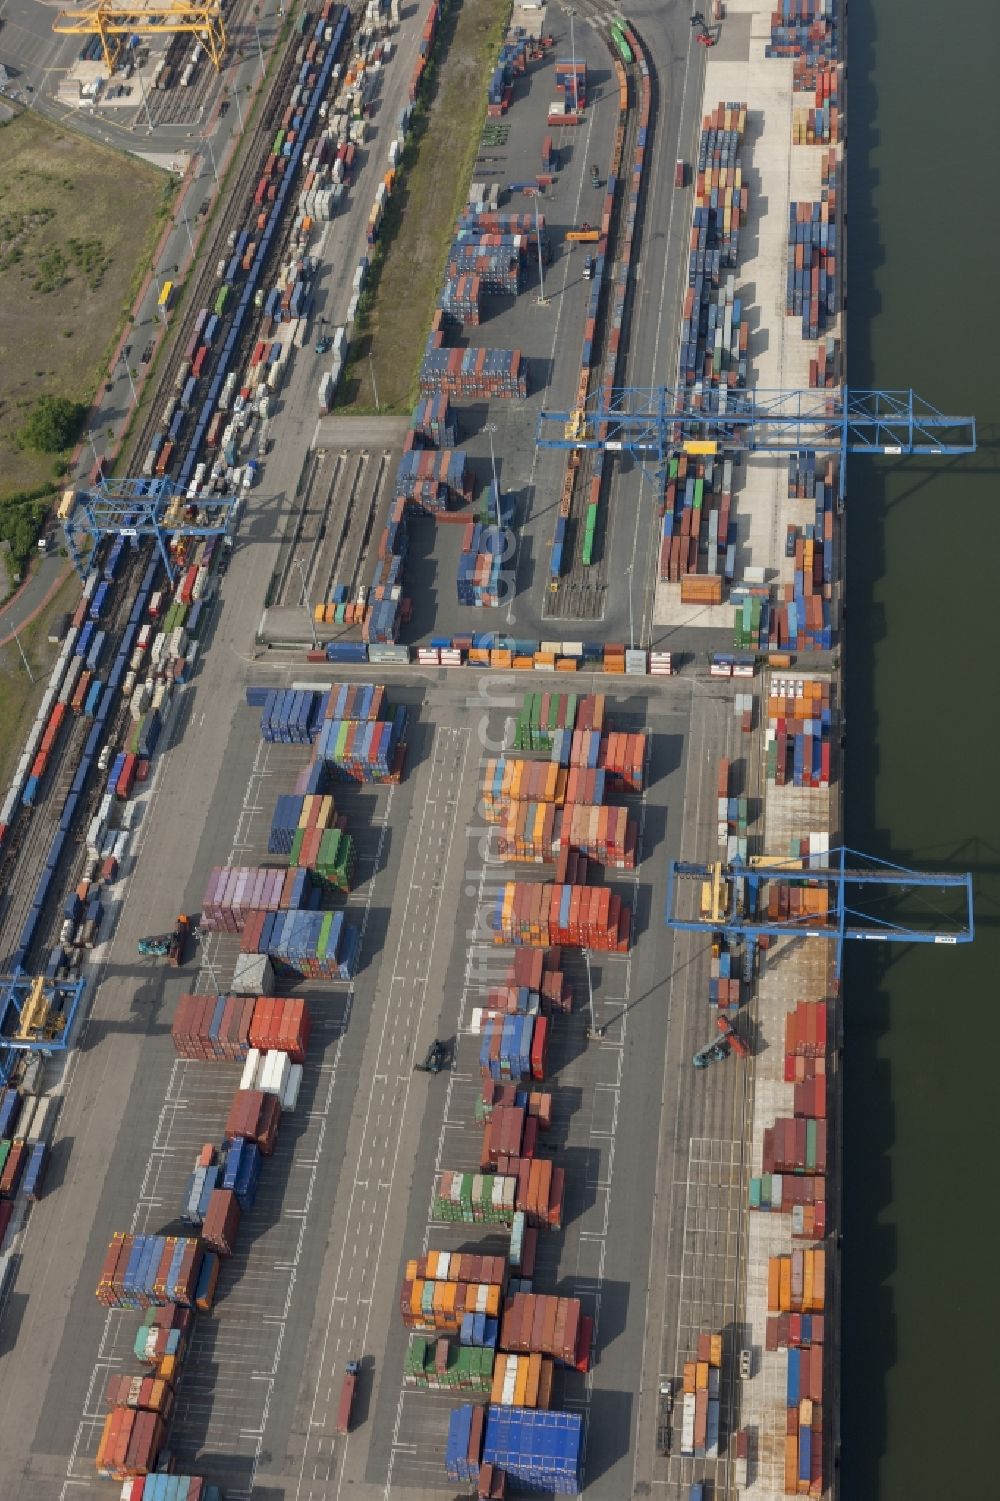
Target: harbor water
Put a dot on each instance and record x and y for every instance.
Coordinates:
(922, 1217)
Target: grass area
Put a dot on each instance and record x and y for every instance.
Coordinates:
(19, 697)
(78, 224)
(408, 267)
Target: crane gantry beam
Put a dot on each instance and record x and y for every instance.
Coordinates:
(656, 422)
(733, 900)
(156, 508)
(110, 21)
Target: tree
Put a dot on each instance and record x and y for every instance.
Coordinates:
(54, 423)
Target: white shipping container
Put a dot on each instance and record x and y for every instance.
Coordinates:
(250, 1068)
(687, 1423)
(290, 1098)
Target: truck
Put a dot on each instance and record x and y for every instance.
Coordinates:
(347, 1390)
(170, 946)
(680, 173)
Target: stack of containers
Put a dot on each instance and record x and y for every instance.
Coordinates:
(440, 1365)
(804, 28)
(475, 1198)
(434, 423)
(523, 1381)
(698, 531)
(724, 981)
(462, 299)
(701, 1393)
(213, 1027)
(547, 1325)
(795, 1144)
(312, 945)
(818, 126)
(140, 1271)
(797, 1331)
(541, 1450)
(800, 1195)
(329, 855)
(543, 915)
(235, 892)
(432, 480)
(799, 731)
(537, 832)
(797, 1283)
(289, 716)
(540, 971)
(514, 1048)
(811, 282)
(363, 750)
(254, 1115)
(439, 1289)
(478, 579)
(473, 374)
(241, 1172)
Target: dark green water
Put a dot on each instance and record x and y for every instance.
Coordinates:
(922, 1069)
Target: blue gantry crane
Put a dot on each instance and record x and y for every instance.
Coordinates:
(732, 898)
(157, 508)
(36, 1015)
(654, 423)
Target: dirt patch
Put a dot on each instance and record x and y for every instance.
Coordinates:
(420, 218)
(78, 224)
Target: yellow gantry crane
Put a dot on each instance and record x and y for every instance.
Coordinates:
(110, 22)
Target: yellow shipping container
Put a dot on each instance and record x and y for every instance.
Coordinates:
(432, 1265)
(715, 1357)
(410, 1275)
(785, 1295)
(534, 1380)
(690, 1370)
(521, 1382)
(496, 1390)
(701, 1376)
(791, 1464)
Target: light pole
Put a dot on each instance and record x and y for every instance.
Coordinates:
(572, 55)
(211, 157)
(593, 1030)
(31, 675)
(93, 448)
(260, 49)
(145, 101)
(542, 301)
(371, 370)
(131, 382)
(631, 624)
(491, 428)
(187, 226)
(203, 946)
(305, 603)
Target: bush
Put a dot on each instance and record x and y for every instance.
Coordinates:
(53, 425)
(21, 519)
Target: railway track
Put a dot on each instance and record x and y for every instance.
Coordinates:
(25, 851)
(583, 588)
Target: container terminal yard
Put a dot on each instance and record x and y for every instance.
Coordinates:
(423, 895)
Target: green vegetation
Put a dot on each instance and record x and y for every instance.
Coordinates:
(407, 264)
(78, 224)
(21, 517)
(53, 425)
